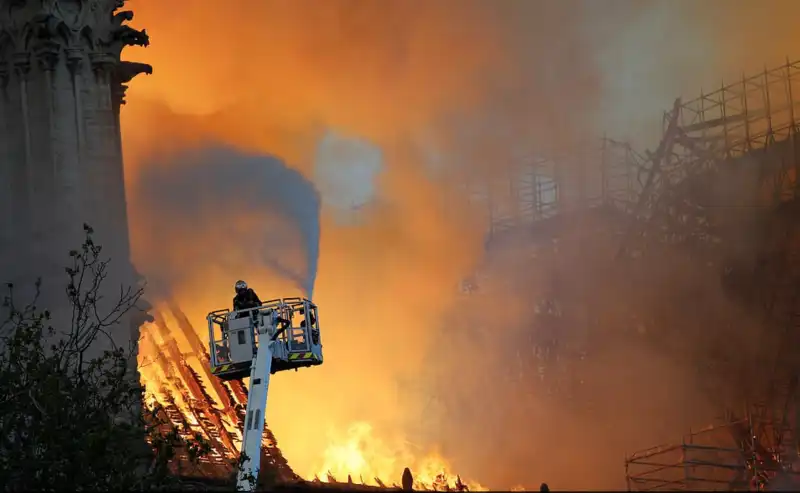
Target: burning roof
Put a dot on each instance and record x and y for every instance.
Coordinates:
(194, 401)
(175, 370)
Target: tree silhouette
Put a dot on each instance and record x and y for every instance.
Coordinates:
(72, 421)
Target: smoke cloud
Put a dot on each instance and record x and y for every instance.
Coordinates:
(570, 361)
(711, 43)
(464, 83)
(236, 211)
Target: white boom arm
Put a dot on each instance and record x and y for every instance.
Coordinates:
(256, 409)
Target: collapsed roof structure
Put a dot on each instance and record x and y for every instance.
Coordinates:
(721, 189)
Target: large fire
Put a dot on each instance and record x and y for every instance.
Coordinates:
(360, 456)
(176, 374)
(174, 368)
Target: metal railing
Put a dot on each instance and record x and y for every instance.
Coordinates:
(295, 338)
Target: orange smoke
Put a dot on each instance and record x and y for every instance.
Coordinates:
(471, 81)
(272, 77)
(274, 73)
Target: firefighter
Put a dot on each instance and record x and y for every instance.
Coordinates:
(311, 319)
(245, 298)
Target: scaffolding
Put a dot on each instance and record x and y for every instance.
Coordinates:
(747, 131)
(752, 113)
(704, 460)
(750, 126)
(721, 457)
(755, 113)
(527, 190)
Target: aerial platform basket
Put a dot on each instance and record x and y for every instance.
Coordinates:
(280, 334)
(291, 323)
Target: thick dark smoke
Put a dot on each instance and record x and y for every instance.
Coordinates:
(242, 210)
(571, 360)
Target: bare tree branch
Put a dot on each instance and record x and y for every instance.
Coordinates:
(36, 403)
(78, 400)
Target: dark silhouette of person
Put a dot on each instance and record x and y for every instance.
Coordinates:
(245, 298)
(408, 480)
(310, 320)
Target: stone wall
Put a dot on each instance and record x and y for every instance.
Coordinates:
(61, 87)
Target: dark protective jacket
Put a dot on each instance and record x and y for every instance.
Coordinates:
(248, 299)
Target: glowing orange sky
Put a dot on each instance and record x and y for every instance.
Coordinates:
(470, 76)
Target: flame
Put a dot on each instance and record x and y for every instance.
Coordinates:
(174, 369)
(361, 457)
(175, 373)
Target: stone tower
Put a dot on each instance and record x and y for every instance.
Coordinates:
(62, 84)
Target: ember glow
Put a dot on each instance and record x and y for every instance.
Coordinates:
(469, 78)
(385, 283)
(369, 460)
(175, 371)
(174, 368)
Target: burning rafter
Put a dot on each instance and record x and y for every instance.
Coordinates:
(178, 377)
(185, 393)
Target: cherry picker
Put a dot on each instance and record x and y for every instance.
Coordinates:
(281, 334)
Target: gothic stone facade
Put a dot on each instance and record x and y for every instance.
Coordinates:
(61, 87)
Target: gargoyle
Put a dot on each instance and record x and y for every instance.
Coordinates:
(122, 17)
(126, 71)
(131, 37)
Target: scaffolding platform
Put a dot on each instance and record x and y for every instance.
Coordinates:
(725, 457)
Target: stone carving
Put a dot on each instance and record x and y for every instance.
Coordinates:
(125, 72)
(61, 84)
(128, 70)
(21, 62)
(50, 29)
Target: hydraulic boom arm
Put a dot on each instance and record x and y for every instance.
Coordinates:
(259, 342)
(256, 408)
